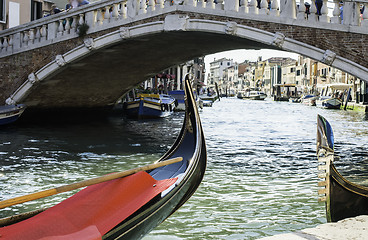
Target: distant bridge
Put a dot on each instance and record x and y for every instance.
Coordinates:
(46, 64)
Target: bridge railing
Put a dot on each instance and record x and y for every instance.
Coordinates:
(113, 13)
(61, 26)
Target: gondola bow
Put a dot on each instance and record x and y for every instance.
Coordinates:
(130, 207)
(342, 198)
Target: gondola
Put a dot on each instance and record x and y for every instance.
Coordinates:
(343, 198)
(120, 209)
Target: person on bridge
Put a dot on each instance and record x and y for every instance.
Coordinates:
(307, 8)
(341, 12)
(319, 4)
(82, 2)
(54, 10)
(71, 4)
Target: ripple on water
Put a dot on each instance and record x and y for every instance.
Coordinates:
(261, 175)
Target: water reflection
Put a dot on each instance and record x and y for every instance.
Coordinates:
(261, 178)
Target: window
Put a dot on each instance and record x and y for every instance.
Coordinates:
(324, 72)
(298, 72)
(292, 70)
(14, 14)
(228, 63)
(36, 10)
(2, 10)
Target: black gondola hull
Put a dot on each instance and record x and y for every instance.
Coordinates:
(158, 209)
(345, 199)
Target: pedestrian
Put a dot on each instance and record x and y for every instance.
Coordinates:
(341, 12)
(319, 4)
(68, 5)
(71, 4)
(307, 8)
(259, 4)
(54, 10)
(82, 2)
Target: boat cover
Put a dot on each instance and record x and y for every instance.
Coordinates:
(92, 212)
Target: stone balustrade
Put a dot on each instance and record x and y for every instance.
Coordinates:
(112, 13)
(61, 26)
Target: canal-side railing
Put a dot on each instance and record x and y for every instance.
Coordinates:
(112, 13)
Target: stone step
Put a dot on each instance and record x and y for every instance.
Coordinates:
(348, 229)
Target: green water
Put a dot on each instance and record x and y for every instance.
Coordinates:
(261, 175)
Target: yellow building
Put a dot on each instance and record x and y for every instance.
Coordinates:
(258, 74)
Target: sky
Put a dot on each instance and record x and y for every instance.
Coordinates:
(252, 55)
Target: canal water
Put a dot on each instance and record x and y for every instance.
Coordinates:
(261, 177)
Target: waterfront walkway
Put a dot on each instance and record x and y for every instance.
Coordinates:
(347, 229)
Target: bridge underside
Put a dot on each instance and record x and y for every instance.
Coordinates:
(99, 79)
(94, 72)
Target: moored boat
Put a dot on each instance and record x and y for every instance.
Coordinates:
(150, 106)
(343, 199)
(332, 95)
(332, 103)
(207, 103)
(282, 92)
(179, 96)
(309, 100)
(130, 207)
(255, 95)
(211, 98)
(294, 100)
(240, 94)
(10, 113)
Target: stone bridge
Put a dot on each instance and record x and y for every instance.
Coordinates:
(52, 63)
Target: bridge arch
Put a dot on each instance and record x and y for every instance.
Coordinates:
(134, 53)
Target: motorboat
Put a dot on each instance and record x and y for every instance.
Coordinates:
(10, 113)
(150, 106)
(255, 95)
(309, 100)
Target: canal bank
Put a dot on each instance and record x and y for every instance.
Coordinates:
(347, 229)
(357, 107)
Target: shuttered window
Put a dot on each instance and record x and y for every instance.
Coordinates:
(36, 10)
(2, 10)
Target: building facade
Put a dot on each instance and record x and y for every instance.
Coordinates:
(17, 12)
(217, 68)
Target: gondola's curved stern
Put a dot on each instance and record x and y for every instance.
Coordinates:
(342, 198)
(190, 145)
